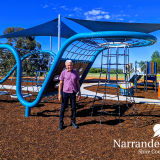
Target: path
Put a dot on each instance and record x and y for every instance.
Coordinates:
(87, 93)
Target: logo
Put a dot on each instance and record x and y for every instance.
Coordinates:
(156, 129)
(144, 147)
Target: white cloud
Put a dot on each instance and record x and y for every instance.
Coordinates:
(136, 15)
(107, 16)
(64, 7)
(70, 15)
(124, 15)
(45, 6)
(118, 15)
(131, 21)
(103, 12)
(90, 18)
(77, 9)
(99, 17)
(54, 8)
(121, 19)
(96, 14)
(92, 12)
(129, 6)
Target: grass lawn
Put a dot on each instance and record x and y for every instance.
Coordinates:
(104, 75)
(112, 75)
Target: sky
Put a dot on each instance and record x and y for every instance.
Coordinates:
(30, 13)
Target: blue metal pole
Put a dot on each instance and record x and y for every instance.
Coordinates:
(50, 43)
(59, 31)
(109, 65)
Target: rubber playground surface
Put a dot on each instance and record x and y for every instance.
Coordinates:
(37, 136)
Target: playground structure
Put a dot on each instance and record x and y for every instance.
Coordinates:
(120, 54)
(148, 70)
(82, 49)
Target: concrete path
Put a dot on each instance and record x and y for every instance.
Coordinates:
(91, 94)
(29, 88)
(87, 93)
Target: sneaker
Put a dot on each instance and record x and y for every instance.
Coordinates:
(74, 125)
(60, 127)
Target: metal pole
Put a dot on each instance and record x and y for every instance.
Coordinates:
(109, 67)
(146, 76)
(156, 76)
(50, 43)
(128, 64)
(135, 76)
(59, 31)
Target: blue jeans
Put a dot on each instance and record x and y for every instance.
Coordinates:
(65, 98)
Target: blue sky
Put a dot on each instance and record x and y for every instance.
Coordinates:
(34, 12)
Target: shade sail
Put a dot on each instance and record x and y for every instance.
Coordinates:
(117, 26)
(47, 29)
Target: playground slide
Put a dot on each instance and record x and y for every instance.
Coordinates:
(131, 79)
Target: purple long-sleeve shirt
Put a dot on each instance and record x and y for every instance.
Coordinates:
(69, 80)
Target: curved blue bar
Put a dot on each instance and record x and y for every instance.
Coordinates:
(7, 76)
(19, 67)
(47, 51)
(111, 34)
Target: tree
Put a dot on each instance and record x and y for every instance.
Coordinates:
(23, 43)
(142, 65)
(155, 55)
(156, 58)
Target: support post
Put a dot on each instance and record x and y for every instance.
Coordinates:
(155, 83)
(27, 111)
(156, 79)
(135, 76)
(50, 43)
(146, 74)
(109, 67)
(49, 64)
(59, 31)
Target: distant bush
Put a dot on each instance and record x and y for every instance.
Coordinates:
(92, 70)
(98, 70)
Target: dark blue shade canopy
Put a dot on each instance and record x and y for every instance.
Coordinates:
(47, 29)
(117, 26)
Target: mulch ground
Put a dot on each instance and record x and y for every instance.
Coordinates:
(37, 136)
